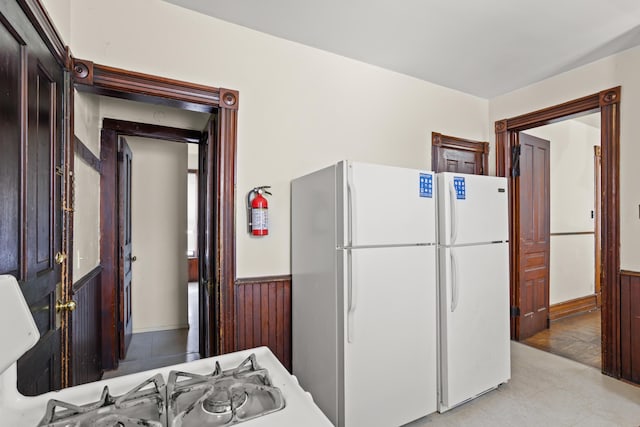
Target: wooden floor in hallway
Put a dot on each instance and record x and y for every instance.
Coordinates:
(576, 337)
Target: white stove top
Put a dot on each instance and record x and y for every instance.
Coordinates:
(298, 408)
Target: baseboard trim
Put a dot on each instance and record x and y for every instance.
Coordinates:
(571, 307)
(161, 328)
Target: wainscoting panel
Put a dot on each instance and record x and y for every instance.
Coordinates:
(263, 315)
(86, 363)
(630, 325)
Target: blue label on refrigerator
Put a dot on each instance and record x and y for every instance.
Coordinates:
(426, 185)
(461, 189)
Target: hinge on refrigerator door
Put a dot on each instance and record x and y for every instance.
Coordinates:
(515, 311)
(515, 161)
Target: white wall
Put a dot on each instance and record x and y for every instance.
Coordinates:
(621, 69)
(86, 215)
(300, 108)
(60, 13)
(572, 263)
(159, 239)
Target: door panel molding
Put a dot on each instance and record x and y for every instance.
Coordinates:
(607, 102)
(441, 143)
(42, 23)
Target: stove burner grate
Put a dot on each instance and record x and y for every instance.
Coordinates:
(222, 398)
(144, 405)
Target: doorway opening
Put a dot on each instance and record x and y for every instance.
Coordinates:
(525, 291)
(216, 260)
(559, 217)
(159, 321)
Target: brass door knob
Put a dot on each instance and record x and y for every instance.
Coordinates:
(60, 257)
(68, 306)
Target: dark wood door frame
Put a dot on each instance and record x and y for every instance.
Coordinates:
(597, 185)
(112, 299)
(607, 102)
(109, 81)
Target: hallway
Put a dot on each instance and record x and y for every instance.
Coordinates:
(150, 350)
(575, 337)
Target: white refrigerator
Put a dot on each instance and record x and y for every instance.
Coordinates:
(364, 328)
(473, 274)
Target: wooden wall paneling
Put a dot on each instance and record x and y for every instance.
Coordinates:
(263, 313)
(630, 325)
(86, 360)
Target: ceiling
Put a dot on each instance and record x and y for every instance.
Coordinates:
(482, 47)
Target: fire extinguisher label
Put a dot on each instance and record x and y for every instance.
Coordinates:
(259, 219)
(426, 185)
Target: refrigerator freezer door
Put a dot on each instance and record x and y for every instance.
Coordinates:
(472, 209)
(474, 321)
(385, 205)
(390, 358)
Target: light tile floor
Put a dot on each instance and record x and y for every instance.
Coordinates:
(550, 391)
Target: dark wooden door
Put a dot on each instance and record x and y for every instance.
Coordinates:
(534, 235)
(451, 154)
(207, 289)
(124, 238)
(31, 125)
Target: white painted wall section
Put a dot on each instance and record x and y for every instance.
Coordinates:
(300, 108)
(572, 264)
(159, 238)
(86, 215)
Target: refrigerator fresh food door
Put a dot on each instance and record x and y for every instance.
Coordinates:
(385, 205)
(472, 209)
(390, 349)
(474, 321)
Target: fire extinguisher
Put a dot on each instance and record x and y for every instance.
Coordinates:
(258, 209)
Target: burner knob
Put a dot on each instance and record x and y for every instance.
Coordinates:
(69, 305)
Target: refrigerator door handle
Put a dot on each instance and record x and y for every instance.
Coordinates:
(453, 213)
(350, 206)
(455, 290)
(351, 298)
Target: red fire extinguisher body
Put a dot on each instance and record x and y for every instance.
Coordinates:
(259, 215)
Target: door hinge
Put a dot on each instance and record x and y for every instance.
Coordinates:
(515, 160)
(515, 311)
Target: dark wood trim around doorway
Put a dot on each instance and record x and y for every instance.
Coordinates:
(104, 80)
(608, 103)
(119, 83)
